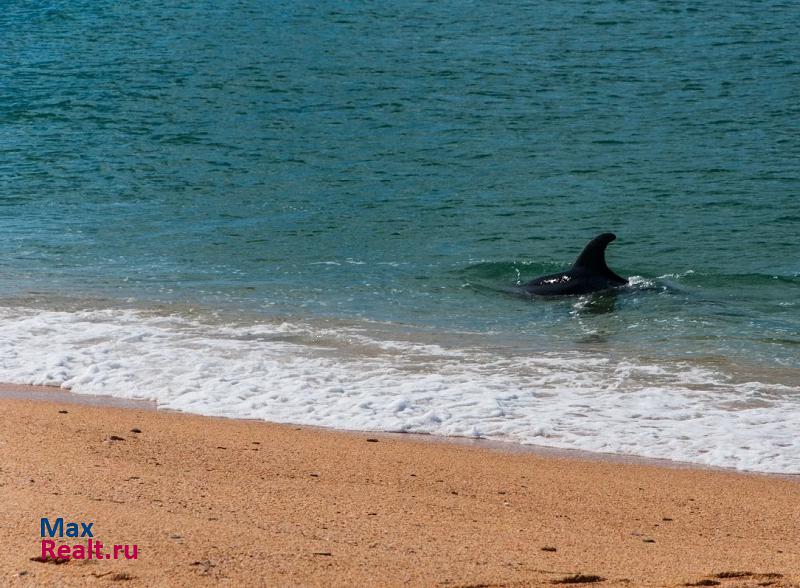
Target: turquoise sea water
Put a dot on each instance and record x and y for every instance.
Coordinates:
(401, 167)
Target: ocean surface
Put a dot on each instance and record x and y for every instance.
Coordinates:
(318, 212)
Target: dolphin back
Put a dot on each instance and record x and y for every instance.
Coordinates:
(589, 273)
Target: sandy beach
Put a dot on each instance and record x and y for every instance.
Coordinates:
(211, 501)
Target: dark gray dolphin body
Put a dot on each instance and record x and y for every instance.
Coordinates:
(589, 273)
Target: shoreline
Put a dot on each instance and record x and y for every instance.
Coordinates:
(347, 377)
(57, 394)
(211, 500)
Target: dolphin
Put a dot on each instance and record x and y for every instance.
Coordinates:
(589, 273)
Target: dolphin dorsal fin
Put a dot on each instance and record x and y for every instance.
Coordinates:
(593, 256)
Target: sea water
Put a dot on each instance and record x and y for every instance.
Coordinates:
(318, 213)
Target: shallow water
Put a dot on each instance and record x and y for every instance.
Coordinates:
(316, 213)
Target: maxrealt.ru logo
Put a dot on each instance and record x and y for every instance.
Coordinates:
(90, 549)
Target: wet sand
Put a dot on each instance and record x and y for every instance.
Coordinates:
(212, 501)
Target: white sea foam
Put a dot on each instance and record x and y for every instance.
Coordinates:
(348, 378)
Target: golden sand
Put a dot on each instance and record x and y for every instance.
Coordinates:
(212, 501)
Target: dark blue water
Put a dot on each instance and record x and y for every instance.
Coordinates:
(411, 163)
